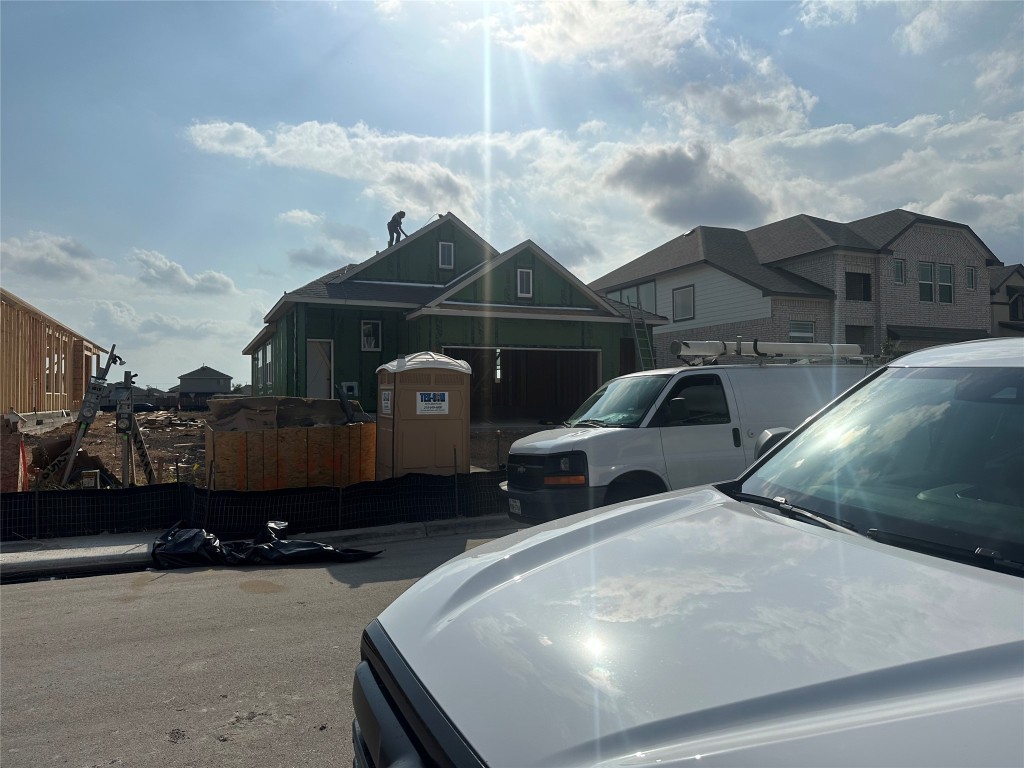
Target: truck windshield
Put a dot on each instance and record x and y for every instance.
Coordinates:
(931, 459)
(620, 402)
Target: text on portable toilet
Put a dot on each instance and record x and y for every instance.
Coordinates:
(431, 402)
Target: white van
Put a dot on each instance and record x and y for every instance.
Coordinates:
(661, 430)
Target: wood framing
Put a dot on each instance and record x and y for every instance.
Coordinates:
(44, 365)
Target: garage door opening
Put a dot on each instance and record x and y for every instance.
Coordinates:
(515, 384)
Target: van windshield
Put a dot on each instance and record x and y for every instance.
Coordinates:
(619, 402)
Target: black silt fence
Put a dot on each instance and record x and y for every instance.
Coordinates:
(239, 514)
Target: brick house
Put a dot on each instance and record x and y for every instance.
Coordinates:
(898, 279)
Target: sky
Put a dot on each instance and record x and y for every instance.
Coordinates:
(169, 169)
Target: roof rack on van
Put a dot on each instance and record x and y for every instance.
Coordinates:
(687, 350)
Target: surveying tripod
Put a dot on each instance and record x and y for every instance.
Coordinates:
(126, 423)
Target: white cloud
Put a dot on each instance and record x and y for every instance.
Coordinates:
(235, 139)
(54, 257)
(300, 217)
(607, 34)
(999, 77)
(157, 270)
(828, 13)
(928, 28)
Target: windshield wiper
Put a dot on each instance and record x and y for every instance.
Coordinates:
(992, 556)
(590, 423)
(791, 511)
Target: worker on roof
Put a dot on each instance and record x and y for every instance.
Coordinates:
(395, 231)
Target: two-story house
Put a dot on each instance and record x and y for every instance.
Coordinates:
(538, 341)
(896, 281)
(196, 387)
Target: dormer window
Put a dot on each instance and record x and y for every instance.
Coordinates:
(524, 283)
(446, 255)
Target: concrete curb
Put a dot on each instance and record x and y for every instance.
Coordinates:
(131, 551)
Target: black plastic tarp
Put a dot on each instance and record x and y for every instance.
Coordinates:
(190, 547)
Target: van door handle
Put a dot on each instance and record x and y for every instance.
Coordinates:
(736, 437)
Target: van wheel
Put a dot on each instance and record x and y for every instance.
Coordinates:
(625, 490)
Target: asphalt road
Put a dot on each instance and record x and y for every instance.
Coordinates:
(201, 667)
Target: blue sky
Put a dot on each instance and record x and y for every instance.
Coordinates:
(169, 169)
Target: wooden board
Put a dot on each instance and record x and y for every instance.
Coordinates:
(291, 457)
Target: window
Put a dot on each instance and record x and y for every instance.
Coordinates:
(858, 286)
(524, 288)
(945, 283)
(925, 276)
(972, 278)
(1016, 296)
(801, 331)
(446, 255)
(682, 303)
(370, 337)
(693, 400)
(268, 369)
(641, 295)
(899, 271)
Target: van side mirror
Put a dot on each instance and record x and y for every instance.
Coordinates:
(769, 439)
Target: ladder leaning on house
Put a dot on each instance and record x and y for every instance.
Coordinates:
(641, 336)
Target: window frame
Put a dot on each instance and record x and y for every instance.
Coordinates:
(939, 284)
(928, 283)
(864, 280)
(802, 336)
(520, 292)
(363, 336)
(901, 278)
(676, 318)
(1015, 301)
(441, 251)
(972, 278)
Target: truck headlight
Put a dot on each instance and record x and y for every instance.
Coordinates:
(566, 469)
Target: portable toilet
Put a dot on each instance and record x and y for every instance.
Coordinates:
(423, 416)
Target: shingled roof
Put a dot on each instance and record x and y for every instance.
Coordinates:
(757, 256)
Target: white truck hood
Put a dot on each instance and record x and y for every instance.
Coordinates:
(563, 439)
(692, 625)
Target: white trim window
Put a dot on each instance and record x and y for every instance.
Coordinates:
(369, 337)
(944, 283)
(446, 255)
(899, 271)
(524, 283)
(801, 331)
(972, 278)
(925, 281)
(683, 303)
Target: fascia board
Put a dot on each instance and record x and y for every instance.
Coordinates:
(505, 315)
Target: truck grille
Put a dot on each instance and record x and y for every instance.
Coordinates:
(525, 472)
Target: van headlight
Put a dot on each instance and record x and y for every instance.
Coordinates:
(566, 469)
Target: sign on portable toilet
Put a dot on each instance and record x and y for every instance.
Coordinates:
(423, 416)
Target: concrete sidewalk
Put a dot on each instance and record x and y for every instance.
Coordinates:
(26, 559)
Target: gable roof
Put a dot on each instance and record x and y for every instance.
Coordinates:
(205, 372)
(343, 286)
(602, 306)
(757, 256)
(999, 275)
(727, 250)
